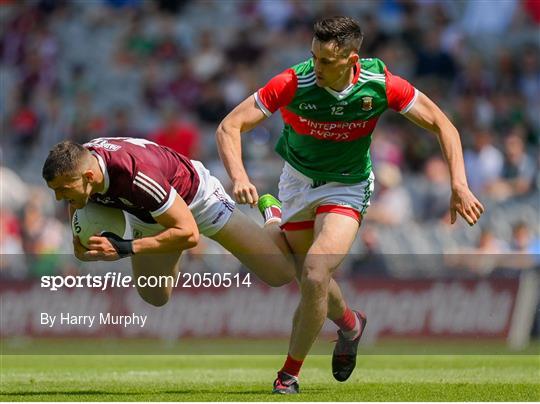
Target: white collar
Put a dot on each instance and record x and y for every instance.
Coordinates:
(103, 170)
(340, 94)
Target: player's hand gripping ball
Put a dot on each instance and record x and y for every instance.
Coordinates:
(94, 219)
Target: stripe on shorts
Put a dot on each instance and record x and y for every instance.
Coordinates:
(340, 210)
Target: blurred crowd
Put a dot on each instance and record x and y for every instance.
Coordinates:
(171, 70)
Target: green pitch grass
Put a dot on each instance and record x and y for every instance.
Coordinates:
(249, 378)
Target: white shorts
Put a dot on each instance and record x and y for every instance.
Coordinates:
(302, 199)
(211, 207)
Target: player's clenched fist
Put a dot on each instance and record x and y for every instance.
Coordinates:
(245, 192)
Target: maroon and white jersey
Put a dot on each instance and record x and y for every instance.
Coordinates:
(142, 177)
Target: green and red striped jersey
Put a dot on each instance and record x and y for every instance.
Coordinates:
(327, 134)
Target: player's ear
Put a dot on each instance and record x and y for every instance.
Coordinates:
(353, 58)
(89, 175)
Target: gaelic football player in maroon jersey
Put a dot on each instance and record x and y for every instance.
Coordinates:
(161, 190)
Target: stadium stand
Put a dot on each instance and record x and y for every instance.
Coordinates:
(79, 70)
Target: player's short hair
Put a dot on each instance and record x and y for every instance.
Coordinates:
(344, 31)
(64, 158)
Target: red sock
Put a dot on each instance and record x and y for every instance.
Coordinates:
(347, 322)
(292, 366)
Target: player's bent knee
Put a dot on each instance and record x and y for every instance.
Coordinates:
(276, 279)
(275, 271)
(288, 275)
(315, 280)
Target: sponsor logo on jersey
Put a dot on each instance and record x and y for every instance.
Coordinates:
(304, 106)
(342, 103)
(340, 131)
(367, 103)
(103, 144)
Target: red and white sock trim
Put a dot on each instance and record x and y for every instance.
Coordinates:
(272, 214)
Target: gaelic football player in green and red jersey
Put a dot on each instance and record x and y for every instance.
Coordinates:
(330, 105)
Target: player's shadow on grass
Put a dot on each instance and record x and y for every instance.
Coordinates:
(128, 393)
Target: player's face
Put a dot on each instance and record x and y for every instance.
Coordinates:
(332, 65)
(72, 188)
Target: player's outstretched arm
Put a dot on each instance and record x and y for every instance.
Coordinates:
(181, 233)
(244, 117)
(426, 114)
